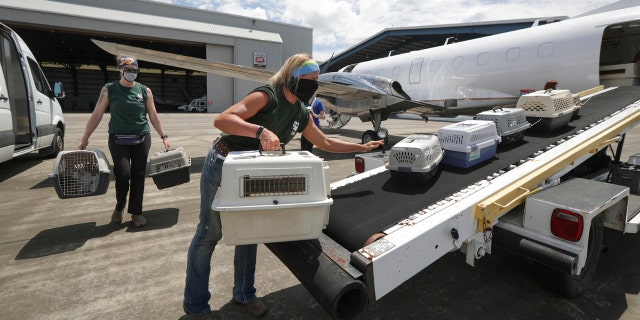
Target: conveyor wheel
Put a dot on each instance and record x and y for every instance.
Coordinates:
(571, 285)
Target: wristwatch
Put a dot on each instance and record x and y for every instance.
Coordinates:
(164, 137)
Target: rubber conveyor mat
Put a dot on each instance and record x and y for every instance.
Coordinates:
(366, 207)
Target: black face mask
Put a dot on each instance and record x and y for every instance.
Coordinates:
(304, 89)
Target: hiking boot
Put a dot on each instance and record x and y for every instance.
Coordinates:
(255, 308)
(206, 316)
(116, 216)
(138, 220)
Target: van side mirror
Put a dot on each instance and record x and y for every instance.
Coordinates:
(58, 90)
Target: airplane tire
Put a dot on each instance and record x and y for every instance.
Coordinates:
(386, 137)
(369, 135)
(569, 285)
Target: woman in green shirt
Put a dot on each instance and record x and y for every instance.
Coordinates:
(131, 106)
(268, 116)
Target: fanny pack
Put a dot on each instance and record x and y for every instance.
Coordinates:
(128, 140)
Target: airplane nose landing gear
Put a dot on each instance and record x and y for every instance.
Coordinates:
(371, 135)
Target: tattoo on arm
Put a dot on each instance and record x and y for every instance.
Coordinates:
(102, 94)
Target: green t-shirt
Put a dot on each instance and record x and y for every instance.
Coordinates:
(279, 116)
(128, 109)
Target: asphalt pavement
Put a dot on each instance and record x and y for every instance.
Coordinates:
(61, 259)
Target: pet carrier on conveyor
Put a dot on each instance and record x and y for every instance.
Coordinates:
(415, 159)
(80, 173)
(548, 110)
(469, 142)
(511, 123)
(273, 197)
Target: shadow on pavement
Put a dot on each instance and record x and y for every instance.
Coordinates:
(68, 238)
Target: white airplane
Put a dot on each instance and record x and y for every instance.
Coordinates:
(598, 48)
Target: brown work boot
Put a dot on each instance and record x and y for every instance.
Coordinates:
(138, 220)
(255, 308)
(206, 316)
(116, 216)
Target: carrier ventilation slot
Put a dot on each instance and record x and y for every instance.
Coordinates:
(273, 185)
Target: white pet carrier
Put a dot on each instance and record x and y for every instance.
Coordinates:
(415, 159)
(273, 197)
(511, 123)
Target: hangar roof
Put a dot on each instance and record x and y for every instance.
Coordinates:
(392, 41)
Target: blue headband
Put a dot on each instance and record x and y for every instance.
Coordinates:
(307, 67)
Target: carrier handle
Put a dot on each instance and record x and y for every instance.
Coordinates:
(281, 148)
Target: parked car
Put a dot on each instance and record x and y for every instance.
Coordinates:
(197, 105)
(183, 107)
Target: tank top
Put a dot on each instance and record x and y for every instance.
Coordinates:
(279, 116)
(128, 109)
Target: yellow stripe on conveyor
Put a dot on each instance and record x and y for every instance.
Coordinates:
(493, 207)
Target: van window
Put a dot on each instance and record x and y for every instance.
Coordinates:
(414, 72)
(38, 77)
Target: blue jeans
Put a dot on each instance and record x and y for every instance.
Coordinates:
(208, 233)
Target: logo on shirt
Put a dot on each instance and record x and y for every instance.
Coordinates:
(139, 97)
(296, 124)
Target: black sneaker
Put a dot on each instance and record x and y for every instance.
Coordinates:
(255, 308)
(138, 220)
(206, 316)
(116, 216)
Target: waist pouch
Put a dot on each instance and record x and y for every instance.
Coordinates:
(128, 140)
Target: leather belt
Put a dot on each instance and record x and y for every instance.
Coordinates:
(221, 147)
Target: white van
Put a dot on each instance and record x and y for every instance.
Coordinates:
(30, 116)
(197, 105)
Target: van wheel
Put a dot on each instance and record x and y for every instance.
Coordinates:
(57, 145)
(570, 285)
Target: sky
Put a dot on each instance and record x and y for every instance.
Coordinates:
(341, 24)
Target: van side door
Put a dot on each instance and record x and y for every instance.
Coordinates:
(6, 125)
(42, 96)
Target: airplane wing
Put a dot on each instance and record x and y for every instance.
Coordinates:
(344, 92)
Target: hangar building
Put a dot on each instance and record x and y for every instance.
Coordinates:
(59, 33)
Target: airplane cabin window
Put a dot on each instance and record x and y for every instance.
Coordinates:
(483, 58)
(457, 62)
(414, 72)
(395, 73)
(545, 49)
(434, 65)
(512, 54)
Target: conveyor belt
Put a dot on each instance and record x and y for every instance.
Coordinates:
(366, 207)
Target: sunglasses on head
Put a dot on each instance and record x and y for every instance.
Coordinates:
(132, 70)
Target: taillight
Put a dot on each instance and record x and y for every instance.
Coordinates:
(359, 164)
(566, 225)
